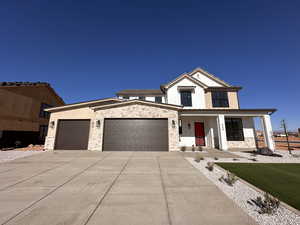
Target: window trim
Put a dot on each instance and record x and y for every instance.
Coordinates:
(234, 133)
(219, 101)
(189, 101)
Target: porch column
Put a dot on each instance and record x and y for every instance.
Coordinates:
(222, 133)
(267, 131)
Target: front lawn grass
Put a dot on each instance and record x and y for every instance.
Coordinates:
(281, 180)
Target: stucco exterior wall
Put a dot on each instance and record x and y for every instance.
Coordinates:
(135, 111)
(206, 80)
(232, 100)
(198, 99)
(20, 108)
(187, 138)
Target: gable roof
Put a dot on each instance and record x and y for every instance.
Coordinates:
(181, 77)
(137, 92)
(190, 75)
(84, 104)
(211, 76)
(137, 101)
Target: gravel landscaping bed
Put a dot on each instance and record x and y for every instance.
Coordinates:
(242, 194)
(14, 154)
(286, 157)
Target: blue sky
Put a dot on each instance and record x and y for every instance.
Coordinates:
(92, 49)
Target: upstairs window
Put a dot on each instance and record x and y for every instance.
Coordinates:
(234, 129)
(220, 99)
(158, 99)
(142, 98)
(186, 98)
(44, 114)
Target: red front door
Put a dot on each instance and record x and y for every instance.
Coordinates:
(199, 134)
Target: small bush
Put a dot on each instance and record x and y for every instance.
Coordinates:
(199, 148)
(198, 158)
(210, 166)
(183, 148)
(193, 148)
(235, 159)
(253, 159)
(216, 158)
(268, 205)
(230, 178)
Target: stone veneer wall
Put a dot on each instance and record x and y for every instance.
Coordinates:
(134, 111)
(249, 142)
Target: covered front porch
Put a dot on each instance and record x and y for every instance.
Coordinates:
(224, 129)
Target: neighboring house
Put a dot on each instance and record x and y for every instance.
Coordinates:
(195, 109)
(22, 115)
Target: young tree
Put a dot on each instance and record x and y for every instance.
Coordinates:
(283, 125)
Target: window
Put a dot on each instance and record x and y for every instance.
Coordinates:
(220, 99)
(44, 114)
(234, 129)
(125, 97)
(158, 99)
(43, 132)
(141, 97)
(186, 98)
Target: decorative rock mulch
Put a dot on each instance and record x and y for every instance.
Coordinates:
(243, 194)
(286, 157)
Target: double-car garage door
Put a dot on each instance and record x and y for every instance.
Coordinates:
(135, 135)
(119, 134)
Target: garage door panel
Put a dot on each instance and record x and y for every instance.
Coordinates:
(72, 134)
(136, 135)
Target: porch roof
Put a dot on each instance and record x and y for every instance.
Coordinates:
(229, 112)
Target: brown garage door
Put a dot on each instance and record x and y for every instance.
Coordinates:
(135, 135)
(72, 134)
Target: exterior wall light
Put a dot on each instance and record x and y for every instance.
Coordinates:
(173, 123)
(52, 124)
(98, 123)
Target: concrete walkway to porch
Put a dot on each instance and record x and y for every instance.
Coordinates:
(113, 188)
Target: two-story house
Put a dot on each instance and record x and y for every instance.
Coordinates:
(22, 115)
(195, 109)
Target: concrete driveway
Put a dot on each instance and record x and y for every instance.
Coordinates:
(113, 188)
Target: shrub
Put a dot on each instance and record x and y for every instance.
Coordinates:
(235, 159)
(216, 158)
(183, 148)
(230, 178)
(193, 148)
(268, 205)
(210, 166)
(198, 158)
(199, 148)
(253, 159)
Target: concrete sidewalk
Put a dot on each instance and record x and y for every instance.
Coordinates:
(113, 188)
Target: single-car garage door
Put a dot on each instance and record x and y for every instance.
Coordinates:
(135, 135)
(72, 134)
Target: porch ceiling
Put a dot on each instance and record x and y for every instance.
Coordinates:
(226, 112)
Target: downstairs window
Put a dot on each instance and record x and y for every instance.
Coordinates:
(234, 129)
